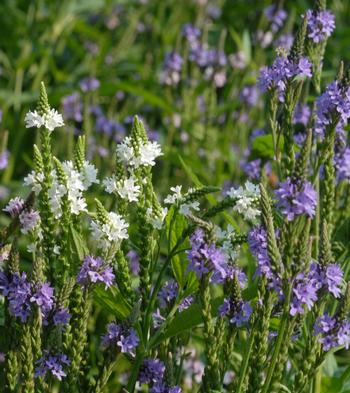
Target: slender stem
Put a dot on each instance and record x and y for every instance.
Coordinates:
(244, 366)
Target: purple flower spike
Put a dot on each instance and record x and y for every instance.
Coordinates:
(122, 337)
(94, 270)
(320, 25)
(53, 364)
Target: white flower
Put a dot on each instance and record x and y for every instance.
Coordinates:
(56, 249)
(53, 120)
(112, 232)
(50, 120)
(156, 221)
(89, 175)
(34, 180)
(110, 184)
(128, 189)
(56, 192)
(33, 119)
(246, 200)
(148, 153)
(186, 208)
(125, 151)
(31, 248)
(75, 186)
(171, 199)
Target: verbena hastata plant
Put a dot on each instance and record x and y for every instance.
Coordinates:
(266, 329)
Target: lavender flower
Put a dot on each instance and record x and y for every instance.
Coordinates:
(73, 107)
(122, 337)
(89, 84)
(134, 262)
(301, 114)
(43, 297)
(282, 70)
(205, 258)
(185, 304)
(333, 277)
(238, 312)
(14, 207)
(28, 219)
(320, 25)
(152, 371)
(296, 199)
(285, 41)
(171, 69)
(342, 164)
(168, 293)
(61, 317)
(191, 33)
(276, 16)
(304, 294)
(249, 95)
(53, 364)
(334, 101)
(95, 270)
(332, 333)
(4, 159)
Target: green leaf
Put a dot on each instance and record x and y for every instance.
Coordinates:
(77, 243)
(187, 320)
(263, 146)
(112, 301)
(177, 224)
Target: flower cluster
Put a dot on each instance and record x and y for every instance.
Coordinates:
(152, 373)
(247, 199)
(168, 294)
(320, 25)
(127, 189)
(21, 295)
(77, 182)
(276, 16)
(50, 120)
(185, 208)
(332, 332)
(145, 155)
(205, 257)
(307, 286)
(121, 337)
(238, 312)
(332, 108)
(296, 199)
(171, 69)
(52, 363)
(282, 70)
(94, 270)
(111, 232)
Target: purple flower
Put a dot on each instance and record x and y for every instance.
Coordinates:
(335, 100)
(281, 70)
(285, 41)
(125, 338)
(168, 293)
(276, 16)
(152, 371)
(296, 199)
(238, 312)
(251, 168)
(171, 69)
(14, 207)
(191, 33)
(43, 297)
(73, 107)
(320, 25)
(28, 219)
(249, 95)
(333, 279)
(333, 333)
(95, 270)
(134, 262)
(18, 292)
(304, 294)
(4, 159)
(185, 304)
(53, 364)
(61, 317)
(89, 84)
(342, 164)
(301, 114)
(324, 324)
